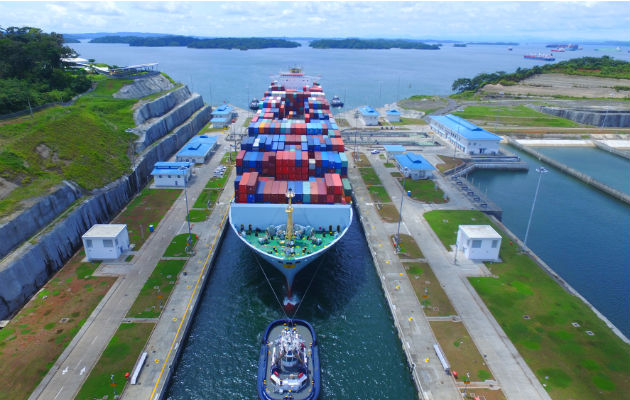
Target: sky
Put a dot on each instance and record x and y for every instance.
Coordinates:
(440, 20)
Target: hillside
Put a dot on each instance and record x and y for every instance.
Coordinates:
(85, 143)
(372, 44)
(187, 41)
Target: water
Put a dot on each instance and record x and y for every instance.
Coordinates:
(361, 355)
(577, 230)
(359, 77)
(607, 168)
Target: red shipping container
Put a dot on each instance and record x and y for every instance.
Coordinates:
(318, 159)
(338, 186)
(330, 198)
(321, 191)
(268, 191)
(239, 158)
(242, 185)
(251, 183)
(274, 191)
(314, 196)
(283, 192)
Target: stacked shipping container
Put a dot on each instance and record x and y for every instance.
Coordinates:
(293, 143)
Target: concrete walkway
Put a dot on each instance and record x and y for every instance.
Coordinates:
(508, 367)
(65, 378)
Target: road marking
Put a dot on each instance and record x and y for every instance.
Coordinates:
(94, 340)
(82, 371)
(59, 392)
(65, 370)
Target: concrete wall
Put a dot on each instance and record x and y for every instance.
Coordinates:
(142, 87)
(601, 118)
(30, 267)
(160, 106)
(30, 221)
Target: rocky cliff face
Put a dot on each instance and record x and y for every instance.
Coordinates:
(160, 106)
(144, 87)
(30, 221)
(596, 117)
(31, 265)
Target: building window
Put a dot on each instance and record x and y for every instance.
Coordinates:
(476, 244)
(108, 243)
(495, 243)
(88, 243)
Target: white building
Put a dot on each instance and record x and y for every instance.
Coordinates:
(223, 115)
(393, 150)
(392, 115)
(106, 241)
(464, 135)
(414, 166)
(479, 242)
(369, 116)
(197, 150)
(171, 174)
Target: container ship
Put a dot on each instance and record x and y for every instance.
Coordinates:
(540, 56)
(292, 196)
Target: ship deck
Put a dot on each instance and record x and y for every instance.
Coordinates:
(302, 247)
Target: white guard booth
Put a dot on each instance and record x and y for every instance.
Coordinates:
(106, 241)
(479, 242)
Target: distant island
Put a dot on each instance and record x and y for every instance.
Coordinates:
(371, 44)
(496, 43)
(70, 40)
(459, 45)
(195, 43)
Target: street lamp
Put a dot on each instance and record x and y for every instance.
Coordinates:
(541, 171)
(186, 198)
(356, 128)
(402, 198)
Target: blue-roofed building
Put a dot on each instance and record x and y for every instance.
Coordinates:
(392, 115)
(198, 149)
(171, 174)
(414, 166)
(464, 135)
(392, 150)
(369, 115)
(222, 116)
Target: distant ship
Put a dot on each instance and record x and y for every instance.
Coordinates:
(292, 195)
(288, 366)
(254, 104)
(336, 102)
(568, 47)
(540, 56)
(558, 50)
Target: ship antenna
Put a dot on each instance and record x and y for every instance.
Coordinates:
(289, 211)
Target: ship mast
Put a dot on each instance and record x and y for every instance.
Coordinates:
(289, 211)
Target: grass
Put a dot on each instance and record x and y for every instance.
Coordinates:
(147, 208)
(85, 143)
(379, 194)
(487, 394)
(363, 160)
(577, 365)
(154, 96)
(388, 213)
(369, 176)
(342, 123)
(197, 215)
(247, 122)
(118, 358)
(155, 292)
(428, 289)
(449, 163)
(408, 247)
(219, 182)
(424, 190)
(389, 165)
(460, 350)
(36, 336)
(177, 247)
(396, 174)
(466, 95)
(409, 121)
(514, 115)
(207, 196)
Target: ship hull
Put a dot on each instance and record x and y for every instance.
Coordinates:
(260, 216)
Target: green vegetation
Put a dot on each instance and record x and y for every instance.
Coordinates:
(187, 41)
(219, 182)
(449, 163)
(388, 212)
(371, 44)
(590, 66)
(156, 290)
(568, 361)
(369, 176)
(207, 198)
(408, 247)
(409, 121)
(31, 71)
(460, 350)
(389, 165)
(379, 194)
(118, 358)
(85, 143)
(147, 208)
(177, 247)
(424, 190)
(197, 215)
(514, 115)
(428, 289)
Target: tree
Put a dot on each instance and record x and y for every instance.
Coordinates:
(461, 85)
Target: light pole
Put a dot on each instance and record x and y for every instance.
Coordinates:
(186, 198)
(541, 171)
(402, 198)
(356, 128)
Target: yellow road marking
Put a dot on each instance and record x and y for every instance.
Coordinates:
(181, 323)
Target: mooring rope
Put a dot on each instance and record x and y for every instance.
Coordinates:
(271, 286)
(321, 261)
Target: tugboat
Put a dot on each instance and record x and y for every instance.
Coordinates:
(336, 102)
(288, 367)
(253, 105)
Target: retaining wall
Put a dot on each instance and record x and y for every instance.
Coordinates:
(601, 118)
(160, 106)
(612, 150)
(30, 267)
(574, 173)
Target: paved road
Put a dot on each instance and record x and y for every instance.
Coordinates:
(69, 372)
(508, 367)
